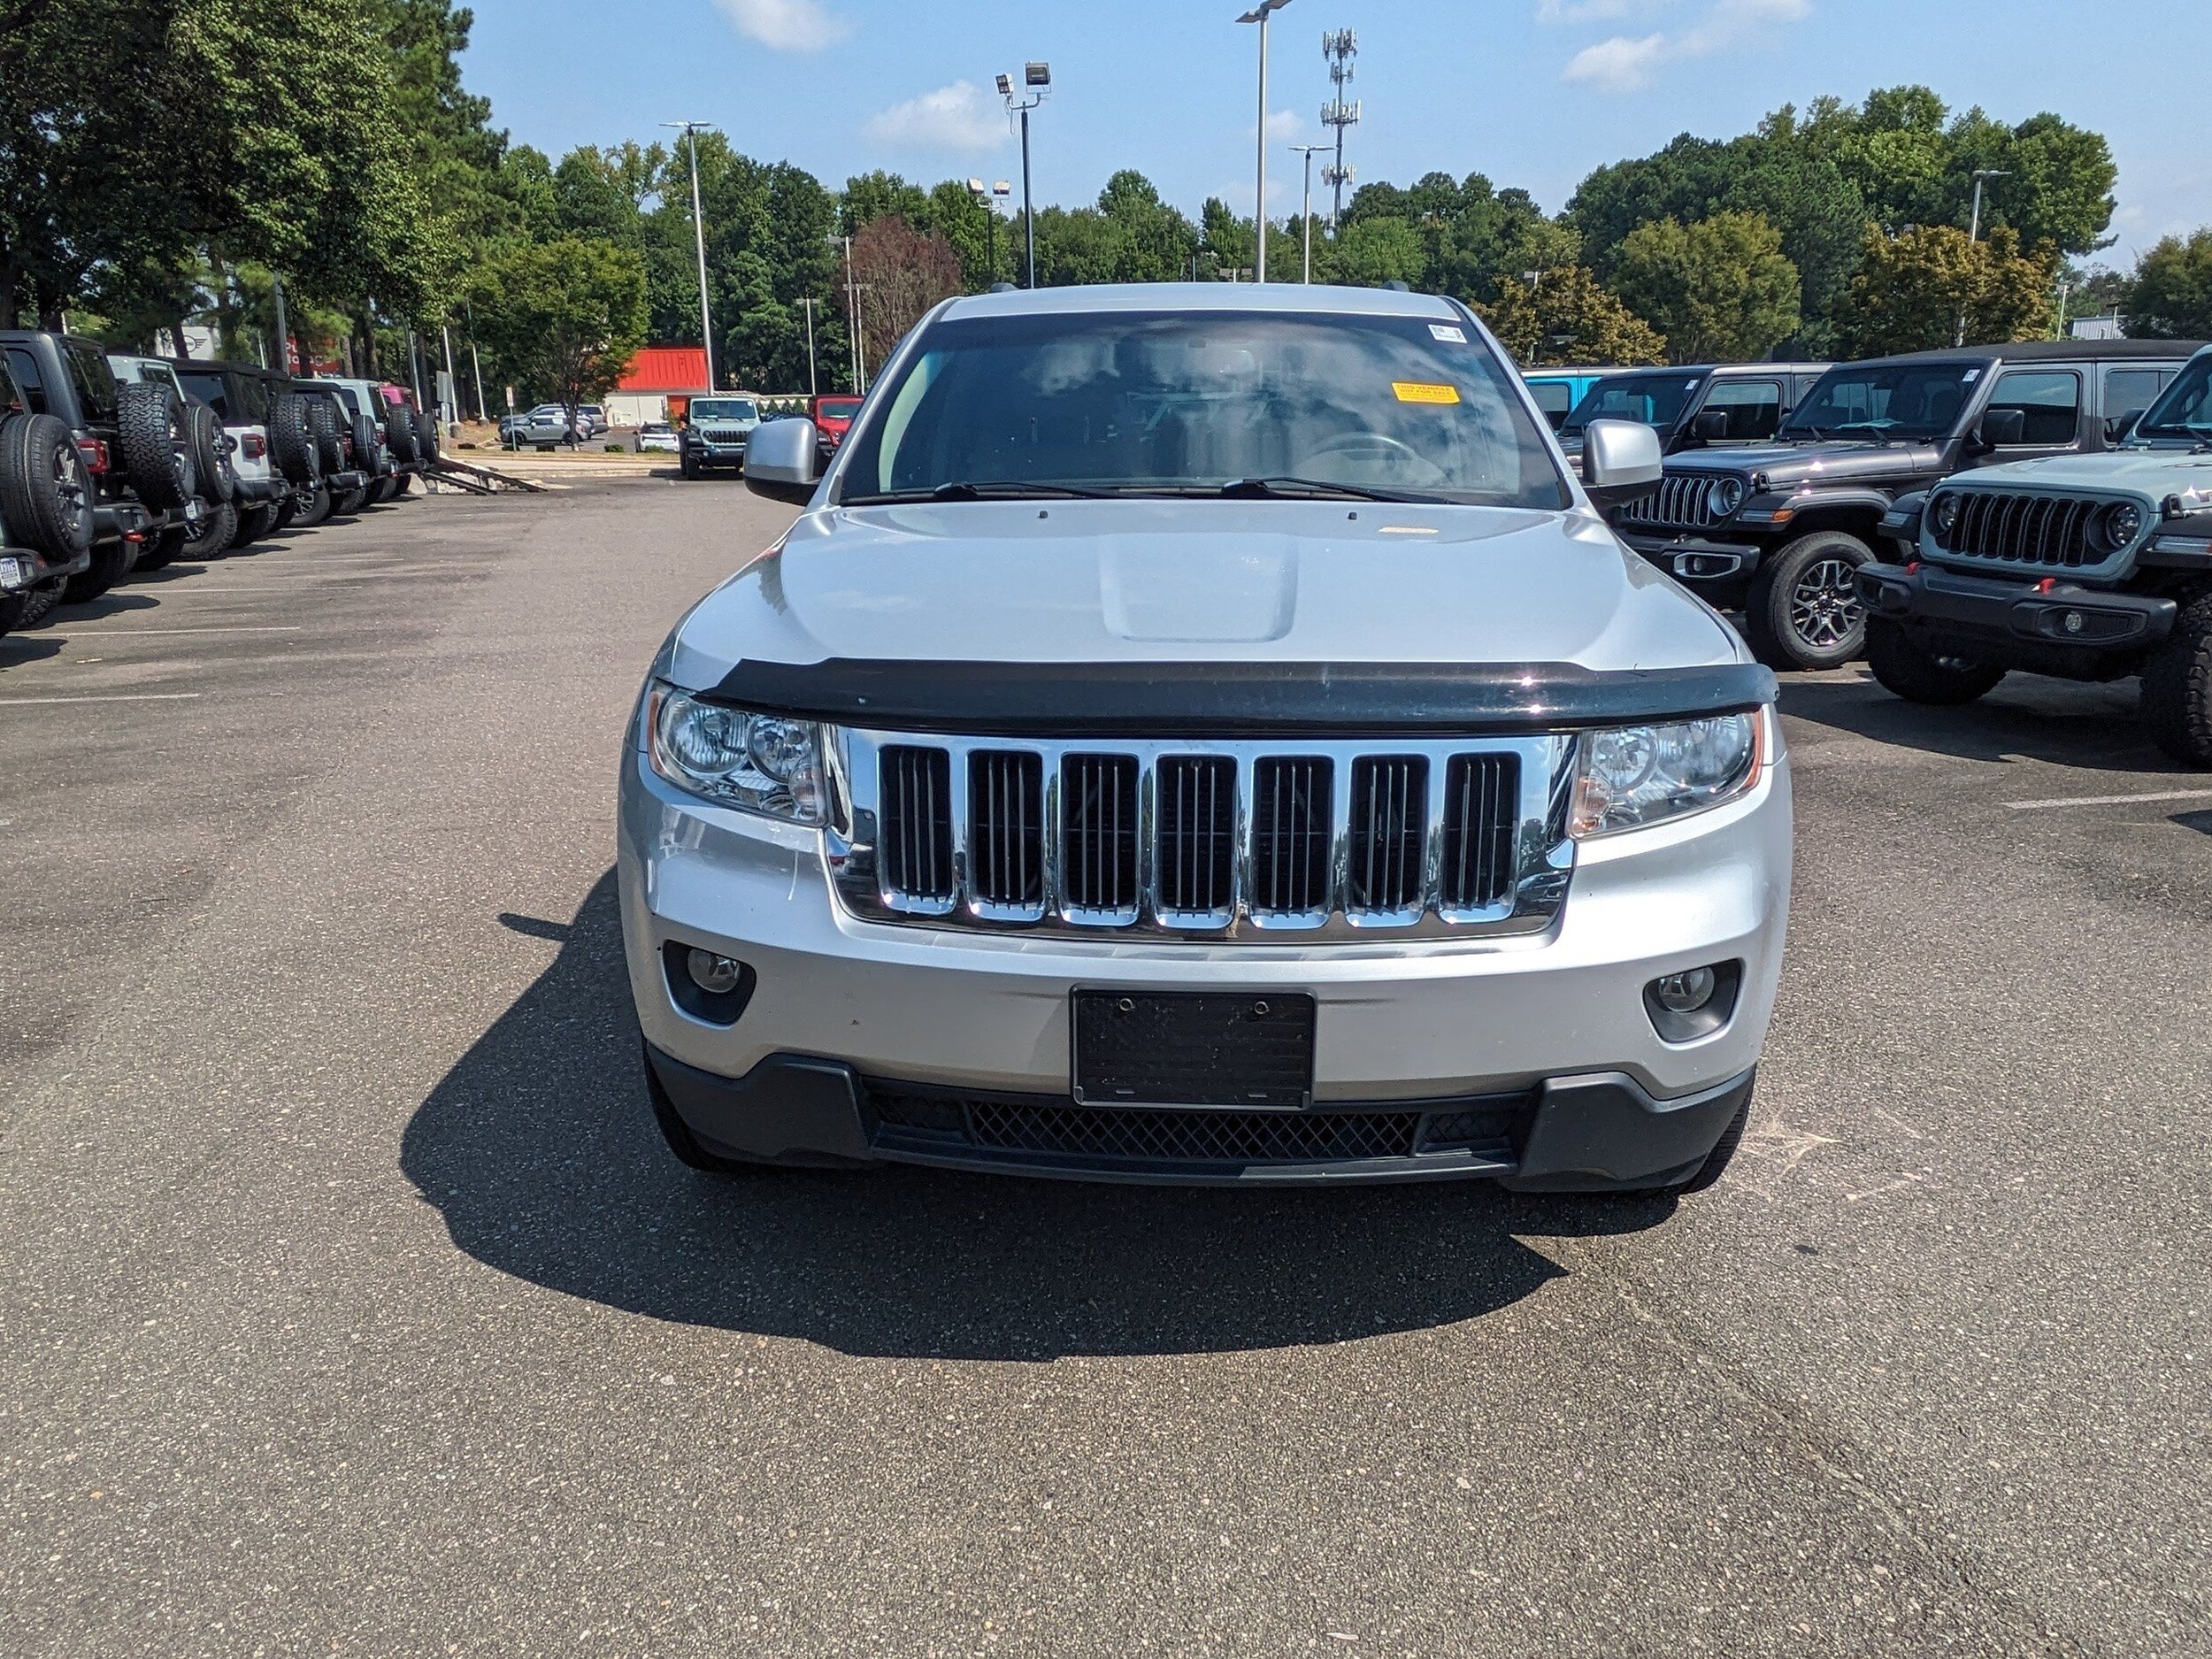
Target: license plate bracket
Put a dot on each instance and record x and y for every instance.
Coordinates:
(1247, 1048)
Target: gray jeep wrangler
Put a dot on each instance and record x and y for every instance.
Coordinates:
(2090, 567)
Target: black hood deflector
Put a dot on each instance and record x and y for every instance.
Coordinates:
(1234, 699)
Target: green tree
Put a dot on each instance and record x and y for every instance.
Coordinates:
(1719, 288)
(564, 317)
(1913, 290)
(2169, 297)
(1569, 316)
(1369, 252)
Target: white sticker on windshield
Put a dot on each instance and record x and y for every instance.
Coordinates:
(1452, 332)
(1970, 376)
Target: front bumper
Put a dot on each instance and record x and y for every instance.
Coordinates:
(2013, 617)
(1544, 1039)
(717, 454)
(1697, 560)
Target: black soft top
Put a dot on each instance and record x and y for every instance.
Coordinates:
(2045, 352)
(222, 365)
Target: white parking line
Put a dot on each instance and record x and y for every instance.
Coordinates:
(2113, 800)
(116, 634)
(117, 696)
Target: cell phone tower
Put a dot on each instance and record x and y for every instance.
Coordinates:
(1339, 47)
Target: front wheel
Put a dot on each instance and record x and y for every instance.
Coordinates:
(1905, 666)
(2178, 686)
(1804, 611)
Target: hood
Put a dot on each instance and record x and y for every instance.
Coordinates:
(1788, 466)
(1135, 581)
(2151, 472)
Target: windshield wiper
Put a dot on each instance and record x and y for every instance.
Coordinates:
(1312, 488)
(963, 489)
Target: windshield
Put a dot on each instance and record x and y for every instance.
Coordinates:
(1183, 402)
(1654, 399)
(1914, 400)
(838, 408)
(2184, 408)
(724, 408)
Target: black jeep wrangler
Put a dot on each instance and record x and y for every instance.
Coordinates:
(45, 509)
(1776, 530)
(1701, 406)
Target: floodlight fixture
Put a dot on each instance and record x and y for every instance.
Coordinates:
(1006, 86)
(1041, 74)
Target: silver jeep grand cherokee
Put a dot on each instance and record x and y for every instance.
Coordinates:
(1205, 734)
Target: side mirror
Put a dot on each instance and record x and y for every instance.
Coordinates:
(1710, 424)
(780, 461)
(1621, 461)
(2117, 428)
(2002, 428)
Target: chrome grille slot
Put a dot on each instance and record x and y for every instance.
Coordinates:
(1194, 806)
(1006, 831)
(1680, 499)
(1292, 841)
(916, 850)
(2046, 531)
(1388, 834)
(1098, 838)
(1291, 838)
(1480, 793)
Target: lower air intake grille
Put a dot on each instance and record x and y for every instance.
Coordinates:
(1197, 815)
(1098, 834)
(1006, 827)
(917, 854)
(1389, 818)
(1290, 837)
(1481, 796)
(1152, 1136)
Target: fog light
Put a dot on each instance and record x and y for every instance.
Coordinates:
(717, 976)
(2073, 622)
(1677, 993)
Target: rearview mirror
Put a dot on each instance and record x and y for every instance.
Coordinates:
(782, 460)
(2002, 428)
(1710, 424)
(1620, 461)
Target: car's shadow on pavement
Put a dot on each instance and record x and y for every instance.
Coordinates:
(539, 1148)
(2058, 722)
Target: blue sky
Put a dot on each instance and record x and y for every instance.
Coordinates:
(1530, 92)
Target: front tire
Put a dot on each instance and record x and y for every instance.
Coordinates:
(254, 522)
(2176, 695)
(306, 515)
(109, 564)
(218, 528)
(1907, 667)
(1804, 612)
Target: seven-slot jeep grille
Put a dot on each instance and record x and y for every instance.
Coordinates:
(1682, 498)
(2049, 532)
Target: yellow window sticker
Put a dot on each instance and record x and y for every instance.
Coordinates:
(1424, 392)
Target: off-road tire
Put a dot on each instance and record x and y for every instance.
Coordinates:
(43, 598)
(322, 423)
(254, 522)
(1907, 667)
(367, 435)
(291, 444)
(287, 509)
(1803, 613)
(399, 433)
(45, 494)
(109, 564)
(426, 438)
(211, 453)
(2176, 695)
(152, 433)
(219, 529)
(689, 466)
(317, 510)
(350, 502)
(159, 548)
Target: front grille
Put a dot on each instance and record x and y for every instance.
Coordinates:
(2052, 532)
(1682, 498)
(1478, 829)
(1287, 840)
(1006, 834)
(1196, 861)
(1098, 834)
(917, 846)
(1290, 837)
(1388, 833)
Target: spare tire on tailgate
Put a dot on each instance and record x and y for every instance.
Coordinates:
(290, 442)
(150, 431)
(426, 438)
(45, 494)
(322, 422)
(211, 453)
(399, 433)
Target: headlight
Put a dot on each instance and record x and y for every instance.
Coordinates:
(1631, 776)
(2119, 525)
(1943, 512)
(759, 763)
(1727, 496)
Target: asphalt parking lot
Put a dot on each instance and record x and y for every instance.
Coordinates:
(349, 1304)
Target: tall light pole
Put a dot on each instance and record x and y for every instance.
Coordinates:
(813, 387)
(1036, 81)
(1306, 216)
(1259, 14)
(852, 317)
(1974, 231)
(1001, 191)
(699, 237)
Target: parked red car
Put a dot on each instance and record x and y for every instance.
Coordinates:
(833, 415)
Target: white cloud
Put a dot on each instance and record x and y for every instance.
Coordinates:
(1282, 126)
(1585, 10)
(958, 117)
(1625, 63)
(785, 26)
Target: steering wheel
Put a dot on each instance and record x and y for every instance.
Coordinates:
(1378, 444)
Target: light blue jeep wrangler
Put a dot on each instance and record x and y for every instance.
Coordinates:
(2091, 567)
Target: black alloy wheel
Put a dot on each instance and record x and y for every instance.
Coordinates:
(1804, 611)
